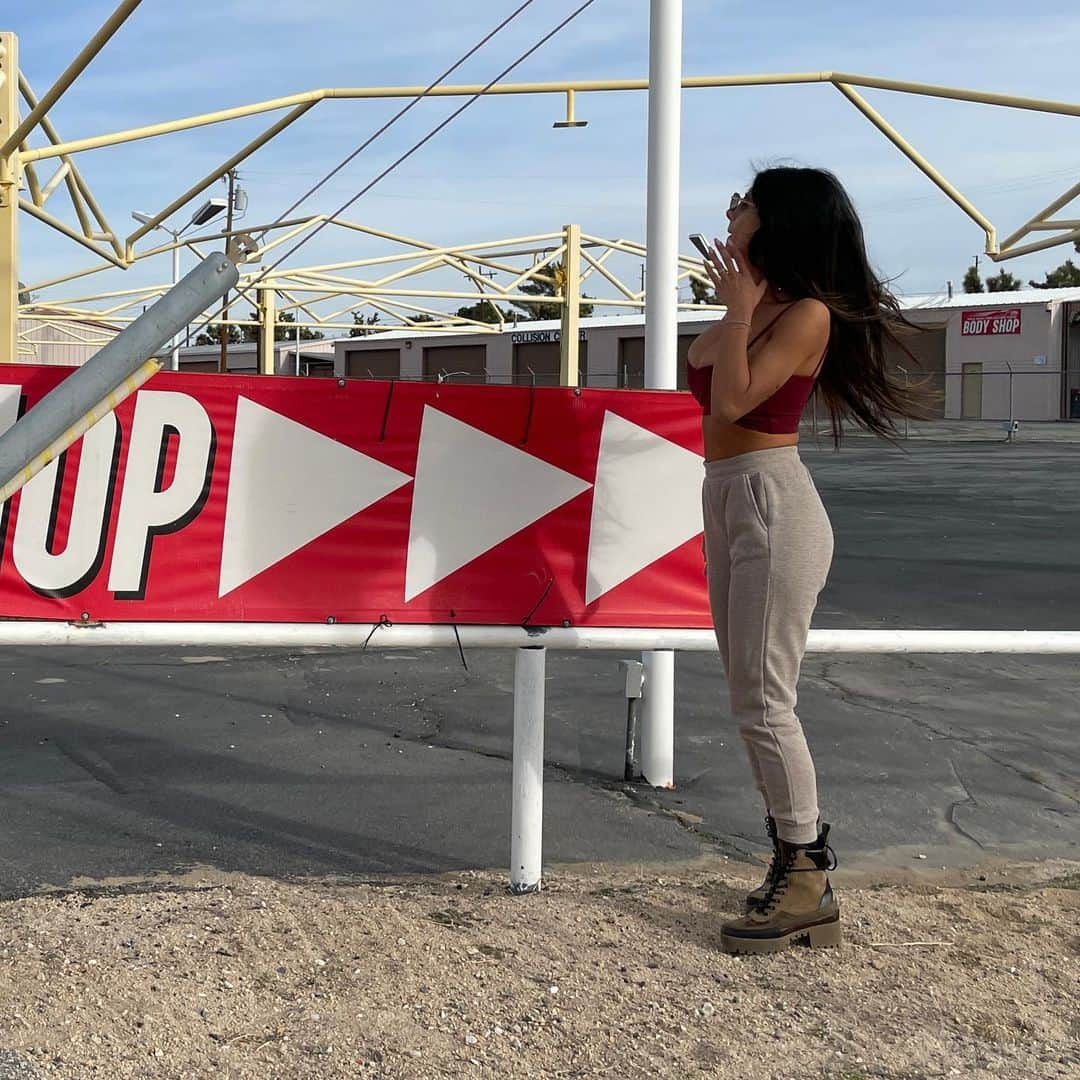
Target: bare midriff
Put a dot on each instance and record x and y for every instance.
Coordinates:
(725, 440)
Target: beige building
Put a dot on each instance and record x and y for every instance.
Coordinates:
(966, 348)
(316, 358)
(53, 337)
(1009, 355)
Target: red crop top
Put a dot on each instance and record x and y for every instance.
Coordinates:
(777, 415)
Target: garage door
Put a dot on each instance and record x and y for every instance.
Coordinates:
(928, 348)
(373, 363)
(632, 361)
(462, 363)
(541, 359)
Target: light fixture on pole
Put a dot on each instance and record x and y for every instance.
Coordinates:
(207, 212)
(571, 120)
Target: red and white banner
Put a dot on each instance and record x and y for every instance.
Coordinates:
(981, 322)
(270, 499)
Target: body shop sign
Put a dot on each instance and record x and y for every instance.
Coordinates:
(982, 322)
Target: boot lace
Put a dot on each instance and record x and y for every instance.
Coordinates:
(820, 854)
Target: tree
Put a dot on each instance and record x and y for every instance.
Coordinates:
(360, 329)
(553, 287)
(1003, 281)
(702, 293)
(214, 337)
(1065, 276)
(281, 333)
(972, 281)
(483, 311)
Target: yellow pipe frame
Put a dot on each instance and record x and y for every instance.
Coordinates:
(71, 73)
(267, 324)
(313, 97)
(78, 191)
(918, 160)
(217, 174)
(298, 104)
(16, 157)
(571, 309)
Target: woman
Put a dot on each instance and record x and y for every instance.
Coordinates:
(804, 308)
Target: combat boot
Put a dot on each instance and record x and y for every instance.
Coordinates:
(798, 905)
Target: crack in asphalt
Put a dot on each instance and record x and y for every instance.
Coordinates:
(853, 697)
(950, 814)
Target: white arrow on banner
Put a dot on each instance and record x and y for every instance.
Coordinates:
(472, 492)
(647, 502)
(289, 484)
(9, 406)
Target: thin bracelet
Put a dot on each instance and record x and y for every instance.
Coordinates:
(734, 322)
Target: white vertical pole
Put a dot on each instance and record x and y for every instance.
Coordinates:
(527, 811)
(662, 212)
(658, 719)
(661, 328)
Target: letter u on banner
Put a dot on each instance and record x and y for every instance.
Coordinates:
(68, 572)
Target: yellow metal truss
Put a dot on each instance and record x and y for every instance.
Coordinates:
(398, 286)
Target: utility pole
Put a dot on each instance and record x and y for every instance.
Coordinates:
(223, 365)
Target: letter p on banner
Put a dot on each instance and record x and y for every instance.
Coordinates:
(150, 506)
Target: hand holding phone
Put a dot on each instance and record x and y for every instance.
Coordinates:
(699, 242)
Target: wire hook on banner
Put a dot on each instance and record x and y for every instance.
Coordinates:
(460, 647)
(386, 411)
(529, 415)
(383, 623)
(525, 623)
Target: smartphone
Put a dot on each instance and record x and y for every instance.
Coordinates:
(699, 242)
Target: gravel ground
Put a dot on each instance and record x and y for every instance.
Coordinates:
(610, 972)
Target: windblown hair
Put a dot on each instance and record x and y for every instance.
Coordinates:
(810, 244)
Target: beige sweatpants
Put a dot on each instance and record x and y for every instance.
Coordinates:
(768, 548)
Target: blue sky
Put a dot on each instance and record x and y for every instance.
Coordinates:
(501, 170)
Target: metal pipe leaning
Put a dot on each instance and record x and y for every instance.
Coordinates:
(119, 369)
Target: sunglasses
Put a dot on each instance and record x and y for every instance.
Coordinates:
(738, 202)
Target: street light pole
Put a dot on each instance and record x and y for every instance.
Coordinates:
(204, 214)
(223, 365)
(174, 356)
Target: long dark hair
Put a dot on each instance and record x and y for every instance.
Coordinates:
(810, 243)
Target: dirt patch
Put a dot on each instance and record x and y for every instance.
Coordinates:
(607, 973)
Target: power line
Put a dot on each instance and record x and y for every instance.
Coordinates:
(401, 112)
(416, 146)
